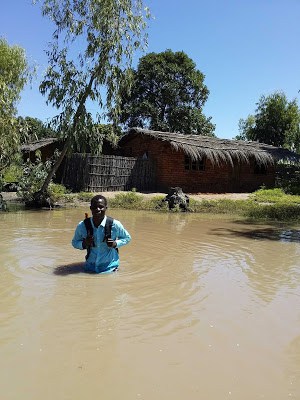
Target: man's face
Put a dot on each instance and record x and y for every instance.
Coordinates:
(98, 208)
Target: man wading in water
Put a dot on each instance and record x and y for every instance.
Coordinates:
(101, 236)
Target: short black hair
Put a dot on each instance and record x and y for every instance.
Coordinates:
(97, 198)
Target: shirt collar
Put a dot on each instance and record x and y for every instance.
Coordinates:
(102, 222)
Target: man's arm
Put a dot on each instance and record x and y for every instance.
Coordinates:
(123, 236)
(79, 237)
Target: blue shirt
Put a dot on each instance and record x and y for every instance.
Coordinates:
(102, 258)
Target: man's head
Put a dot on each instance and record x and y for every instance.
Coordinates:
(98, 206)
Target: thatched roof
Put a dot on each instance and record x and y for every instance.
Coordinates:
(38, 144)
(218, 150)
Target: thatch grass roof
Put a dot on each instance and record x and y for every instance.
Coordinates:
(218, 150)
(38, 144)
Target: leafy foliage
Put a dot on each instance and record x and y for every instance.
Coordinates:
(32, 129)
(92, 141)
(104, 35)
(167, 94)
(111, 31)
(14, 73)
(57, 191)
(276, 122)
(33, 176)
(13, 173)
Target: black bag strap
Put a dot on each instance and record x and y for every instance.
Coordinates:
(88, 226)
(107, 228)
(89, 232)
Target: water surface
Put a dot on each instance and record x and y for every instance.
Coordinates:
(199, 309)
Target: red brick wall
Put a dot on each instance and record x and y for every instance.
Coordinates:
(214, 179)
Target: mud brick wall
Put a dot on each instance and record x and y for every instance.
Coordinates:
(170, 170)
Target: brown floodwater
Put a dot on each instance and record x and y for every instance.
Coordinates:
(201, 308)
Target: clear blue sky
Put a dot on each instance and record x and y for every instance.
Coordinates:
(245, 48)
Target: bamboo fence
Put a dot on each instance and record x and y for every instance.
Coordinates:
(84, 172)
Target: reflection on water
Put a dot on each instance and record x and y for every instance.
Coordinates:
(270, 233)
(200, 308)
(269, 266)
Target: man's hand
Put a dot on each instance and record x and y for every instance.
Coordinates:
(87, 242)
(111, 243)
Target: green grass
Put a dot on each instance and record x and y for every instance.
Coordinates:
(222, 206)
(85, 196)
(264, 204)
(131, 200)
(274, 212)
(275, 205)
(275, 196)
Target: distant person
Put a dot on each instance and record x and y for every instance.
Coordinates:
(101, 236)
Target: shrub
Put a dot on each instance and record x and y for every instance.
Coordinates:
(57, 191)
(293, 189)
(34, 175)
(85, 196)
(128, 200)
(13, 173)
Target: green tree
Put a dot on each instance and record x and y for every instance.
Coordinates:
(92, 144)
(276, 122)
(108, 32)
(14, 74)
(246, 127)
(168, 94)
(32, 129)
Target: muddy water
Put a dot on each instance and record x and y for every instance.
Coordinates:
(199, 309)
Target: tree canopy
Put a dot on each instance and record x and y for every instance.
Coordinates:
(167, 94)
(89, 57)
(14, 73)
(32, 129)
(276, 121)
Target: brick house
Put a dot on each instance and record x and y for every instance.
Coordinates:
(203, 164)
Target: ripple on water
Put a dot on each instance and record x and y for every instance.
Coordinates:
(205, 296)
